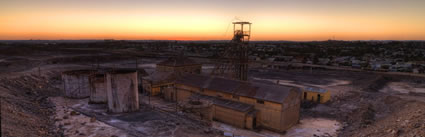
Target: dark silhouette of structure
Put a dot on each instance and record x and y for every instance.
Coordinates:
(234, 61)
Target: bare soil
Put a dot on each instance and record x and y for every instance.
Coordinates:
(366, 104)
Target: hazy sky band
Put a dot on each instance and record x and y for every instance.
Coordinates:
(209, 19)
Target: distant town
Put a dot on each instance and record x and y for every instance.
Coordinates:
(382, 56)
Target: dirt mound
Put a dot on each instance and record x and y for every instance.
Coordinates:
(408, 121)
(378, 114)
(378, 83)
(25, 110)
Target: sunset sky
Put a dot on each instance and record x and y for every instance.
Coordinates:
(297, 20)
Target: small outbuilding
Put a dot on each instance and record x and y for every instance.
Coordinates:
(315, 94)
(166, 73)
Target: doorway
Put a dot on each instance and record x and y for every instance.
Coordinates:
(254, 122)
(318, 98)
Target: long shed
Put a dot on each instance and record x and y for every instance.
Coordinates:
(277, 107)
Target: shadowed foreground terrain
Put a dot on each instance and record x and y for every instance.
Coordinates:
(364, 103)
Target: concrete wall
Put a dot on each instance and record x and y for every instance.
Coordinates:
(76, 84)
(122, 89)
(98, 92)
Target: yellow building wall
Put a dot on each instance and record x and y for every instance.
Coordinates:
(247, 100)
(290, 111)
(184, 92)
(272, 115)
(156, 88)
(229, 116)
(290, 117)
(155, 91)
(313, 96)
(269, 115)
(209, 93)
(249, 122)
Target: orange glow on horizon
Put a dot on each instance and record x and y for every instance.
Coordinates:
(203, 23)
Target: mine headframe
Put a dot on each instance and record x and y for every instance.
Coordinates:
(234, 61)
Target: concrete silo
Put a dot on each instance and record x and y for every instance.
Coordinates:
(122, 90)
(76, 83)
(98, 92)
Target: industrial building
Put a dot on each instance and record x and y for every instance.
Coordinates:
(234, 101)
(166, 73)
(315, 94)
(180, 64)
(242, 104)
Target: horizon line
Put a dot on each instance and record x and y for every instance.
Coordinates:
(191, 40)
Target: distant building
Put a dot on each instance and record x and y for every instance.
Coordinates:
(166, 73)
(157, 81)
(314, 94)
(179, 64)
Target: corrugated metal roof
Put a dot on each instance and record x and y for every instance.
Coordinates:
(234, 105)
(223, 85)
(192, 80)
(315, 89)
(247, 90)
(273, 93)
(266, 92)
(160, 77)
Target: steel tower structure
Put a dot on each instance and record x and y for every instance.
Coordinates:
(234, 62)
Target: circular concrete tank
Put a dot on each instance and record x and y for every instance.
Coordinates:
(122, 90)
(76, 83)
(198, 107)
(98, 89)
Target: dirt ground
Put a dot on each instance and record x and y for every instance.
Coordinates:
(366, 104)
(362, 104)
